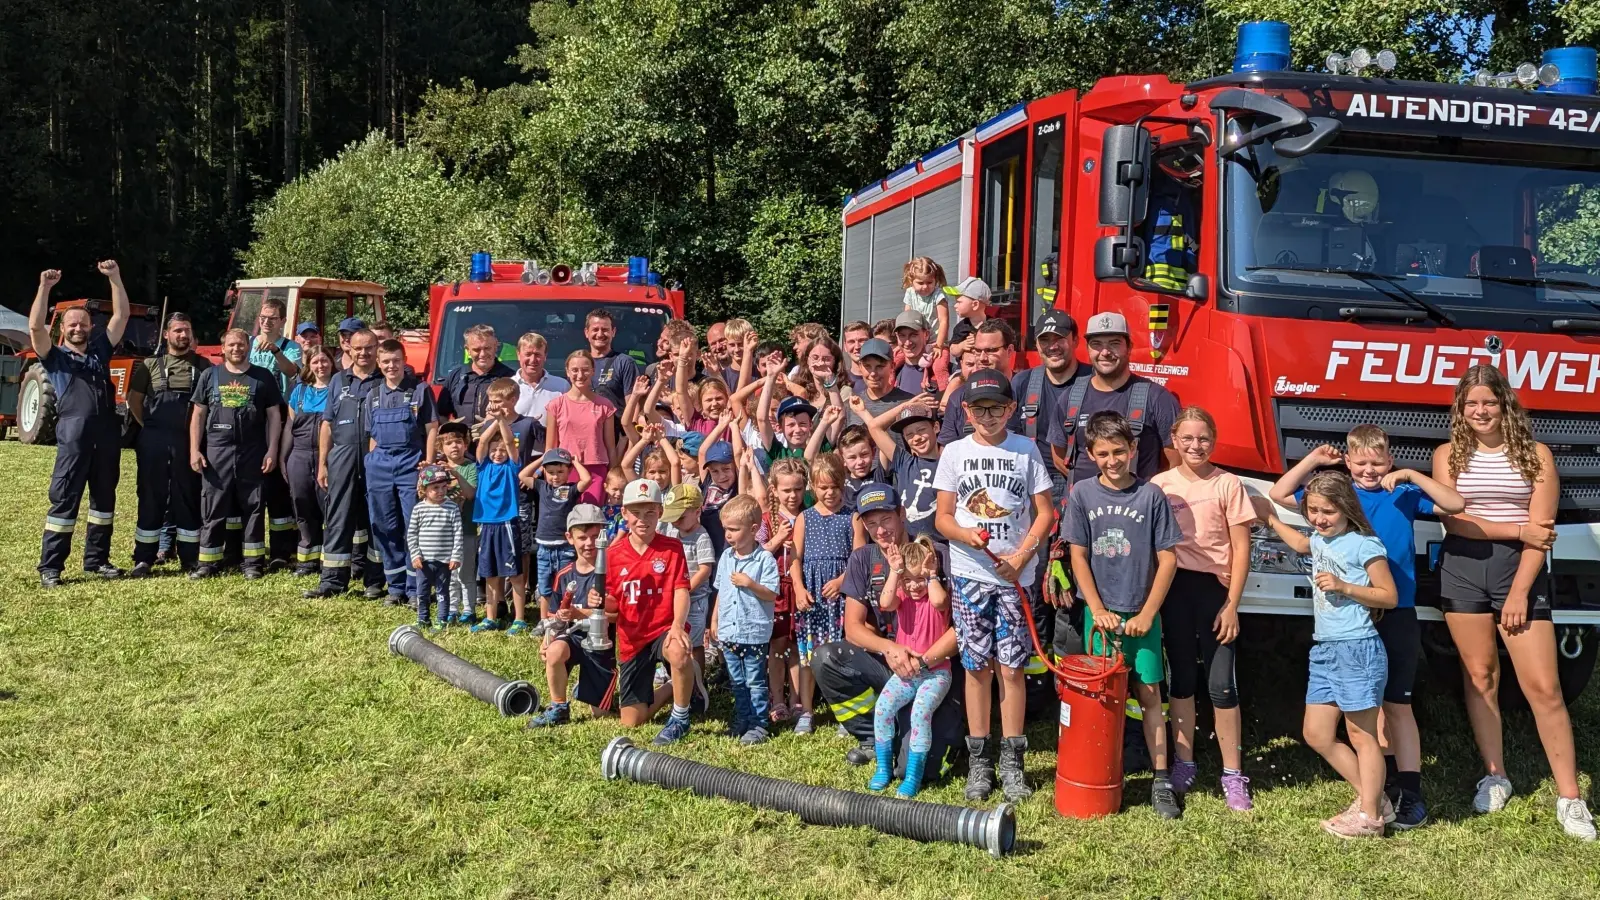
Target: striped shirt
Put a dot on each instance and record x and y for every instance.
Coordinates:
(435, 532)
(1494, 489)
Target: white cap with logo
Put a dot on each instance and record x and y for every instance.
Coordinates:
(1106, 323)
(641, 490)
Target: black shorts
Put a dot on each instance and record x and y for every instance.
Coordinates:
(595, 675)
(1475, 577)
(636, 677)
(1402, 641)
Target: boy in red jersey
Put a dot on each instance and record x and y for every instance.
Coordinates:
(647, 585)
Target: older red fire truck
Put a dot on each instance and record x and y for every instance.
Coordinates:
(1356, 242)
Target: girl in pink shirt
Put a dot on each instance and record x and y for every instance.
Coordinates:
(922, 604)
(582, 424)
(1202, 610)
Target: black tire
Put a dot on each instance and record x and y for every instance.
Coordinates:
(1444, 666)
(36, 408)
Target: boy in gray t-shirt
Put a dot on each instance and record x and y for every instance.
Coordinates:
(1122, 534)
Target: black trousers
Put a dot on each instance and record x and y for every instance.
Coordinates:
(310, 504)
(850, 679)
(282, 532)
(231, 487)
(88, 451)
(169, 494)
(345, 545)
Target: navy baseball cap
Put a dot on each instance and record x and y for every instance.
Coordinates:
(556, 455)
(307, 328)
(911, 417)
(988, 384)
(875, 496)
(796, 405)
(879, 348)
(352, 324)
(720, 452)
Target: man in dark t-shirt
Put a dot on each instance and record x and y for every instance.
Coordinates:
(614, 373)
(880, 393)
(1110, 388)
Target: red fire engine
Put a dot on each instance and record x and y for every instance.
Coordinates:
(1353, 244)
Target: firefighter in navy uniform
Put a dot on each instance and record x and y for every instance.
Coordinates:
(340, 471)
(403, 427)
(160, 392)
(1174, 217)
(234, 427)
(88, 431)
(464, 396)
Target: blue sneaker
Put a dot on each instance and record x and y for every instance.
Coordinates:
(486, 625)
(518, 627)
(464, 618)
(554, 714)
(672, 732)
(1410, 812)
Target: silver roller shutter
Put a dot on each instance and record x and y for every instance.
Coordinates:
(938, 229)
(857, 273)
(891, 248)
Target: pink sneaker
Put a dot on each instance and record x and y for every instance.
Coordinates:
(1353, 823)
(1236, 788)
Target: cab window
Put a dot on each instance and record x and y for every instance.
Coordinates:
(1049, 147)
(1002, 184)
(1172, 224)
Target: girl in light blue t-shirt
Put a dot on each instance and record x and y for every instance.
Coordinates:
(1349, 577)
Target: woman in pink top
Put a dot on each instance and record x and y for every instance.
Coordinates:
(583, 424)
(1202, 613)
(1492, 579)
(923, 604)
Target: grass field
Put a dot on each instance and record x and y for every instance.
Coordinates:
(167, 739)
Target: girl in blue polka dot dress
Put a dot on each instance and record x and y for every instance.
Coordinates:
(822, 538)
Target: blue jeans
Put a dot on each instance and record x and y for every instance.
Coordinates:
(548, 561)
(747, 678)
(433, 583)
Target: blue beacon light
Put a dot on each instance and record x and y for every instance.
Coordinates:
(481, 270)
(1262, 47)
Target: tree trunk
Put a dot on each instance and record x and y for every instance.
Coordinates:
(291, 93)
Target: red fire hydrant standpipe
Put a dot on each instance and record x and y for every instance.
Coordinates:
(1093, 691)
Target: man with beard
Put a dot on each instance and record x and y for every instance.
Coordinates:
(159, 394)
(88, 434)
(342, 447)
(236, 418)
(614, 372)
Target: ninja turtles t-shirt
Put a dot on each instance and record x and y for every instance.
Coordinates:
(1123, 529)
(994, 488)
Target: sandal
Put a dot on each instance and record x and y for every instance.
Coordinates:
(779, 714)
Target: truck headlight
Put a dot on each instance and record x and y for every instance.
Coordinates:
(1272, 556)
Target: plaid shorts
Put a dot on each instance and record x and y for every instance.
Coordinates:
(989, 625)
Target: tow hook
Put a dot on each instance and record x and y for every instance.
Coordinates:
(1574, 637)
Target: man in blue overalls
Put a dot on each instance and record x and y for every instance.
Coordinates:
(342, 446)
(88, 434)
(403, 426)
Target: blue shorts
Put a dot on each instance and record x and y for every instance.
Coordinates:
(499, 549)
(548, 561)
(1348, 674)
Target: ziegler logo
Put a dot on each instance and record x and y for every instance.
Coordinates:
(1297, 388)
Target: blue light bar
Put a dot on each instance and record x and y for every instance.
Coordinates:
(638, 269)
(480, 267)
(1577, 66)
(1262, 47)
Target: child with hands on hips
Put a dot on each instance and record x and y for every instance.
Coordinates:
(922, 607)
(433, 537)
(1350, 578)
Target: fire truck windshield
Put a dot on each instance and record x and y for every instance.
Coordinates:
(561, 323)
(1472, 227)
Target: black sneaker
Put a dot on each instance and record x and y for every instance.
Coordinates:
(49, 579)
(1165, 800)
(108, 572)
(204, 570)
(253, 574)
(320, 592)
(139, 570)
(1410, 812)
(860, 754)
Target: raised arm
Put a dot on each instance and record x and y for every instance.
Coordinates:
(1283, 489)
(764, 408)
(683, 365)
(39, 313)
(119, 302)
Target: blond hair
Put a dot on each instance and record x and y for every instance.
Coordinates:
(784, 468)
(742, 508)
(736, 329)
(533, 340)
(922, 267)
(1195, 414)
(829, 465)
(918, 552)
(503, 388)
(1366, 437)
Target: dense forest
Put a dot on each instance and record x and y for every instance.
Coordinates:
(197, 140)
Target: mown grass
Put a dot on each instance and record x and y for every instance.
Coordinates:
(167, 739)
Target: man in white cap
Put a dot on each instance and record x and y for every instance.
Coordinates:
(1148, 407)
(647, 586)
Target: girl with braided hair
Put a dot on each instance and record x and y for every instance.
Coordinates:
(782, 497)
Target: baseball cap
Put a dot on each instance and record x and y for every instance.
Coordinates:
(720, 452)
(692, 442)
(971, 286)
(910, 417)
(585, 514)
(678, 500)
(875, 496)
(910, 318)
(641, 490)
(879, 348)
(307, 328)
(1106, 323)
(988, 384)
(352, 324)
(456, 428)
(555, 455)
(432, 475)
(798, 404)
(1054, 322)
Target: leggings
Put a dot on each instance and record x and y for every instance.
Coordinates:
(1192, 605)
(924, 692)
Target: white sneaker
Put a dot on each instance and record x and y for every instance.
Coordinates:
(1574, 818)
(1494, 791)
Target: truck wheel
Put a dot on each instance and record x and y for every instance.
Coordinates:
(36, 408)
(1576, 649)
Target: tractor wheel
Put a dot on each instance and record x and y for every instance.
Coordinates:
(36, 408)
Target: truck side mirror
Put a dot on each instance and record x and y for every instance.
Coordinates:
(1197, 288)
(1118, 255)
(1124, 176)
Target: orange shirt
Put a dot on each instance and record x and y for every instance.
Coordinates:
(1205, 509)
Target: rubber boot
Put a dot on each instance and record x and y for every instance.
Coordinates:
(1012, 780)
(980, 769)
(916, 762)
(884, 752)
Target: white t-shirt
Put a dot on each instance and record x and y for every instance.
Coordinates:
(994, 488)
(532, 398)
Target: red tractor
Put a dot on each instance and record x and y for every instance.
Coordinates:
(32, 406)
(324, 302)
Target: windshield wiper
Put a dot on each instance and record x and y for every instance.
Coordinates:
(1431, 309)
(1572, 280)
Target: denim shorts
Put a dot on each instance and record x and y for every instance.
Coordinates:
(548, 560)
(1348, 674)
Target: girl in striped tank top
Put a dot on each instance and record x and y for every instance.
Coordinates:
(1492, 573)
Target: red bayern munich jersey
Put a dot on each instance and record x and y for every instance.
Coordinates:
(643, 584)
